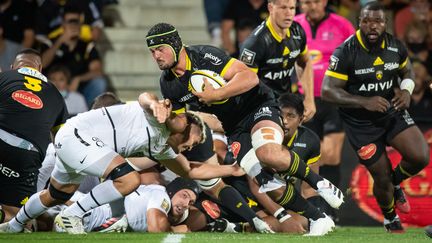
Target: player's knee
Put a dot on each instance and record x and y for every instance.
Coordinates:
(267, 142)
(211, 186)
(383, 182)
(125, 178)
(59, 195)
(422, 159)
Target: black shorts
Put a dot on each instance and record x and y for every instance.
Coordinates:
(326, 120)
(202, 152)
(19, 169)
(369, 138)
(240, 139)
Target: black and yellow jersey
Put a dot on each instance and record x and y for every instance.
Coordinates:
(368, 72)
(306, 144)
(30, 106)
(233, 110)
(271, 56)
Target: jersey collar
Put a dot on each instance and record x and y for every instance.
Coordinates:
(188, 64)
(292, 138)
(273, 31)
(360, 40)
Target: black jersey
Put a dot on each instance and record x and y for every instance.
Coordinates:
(272, 56)
(306, 144)
(368, 73)
(231, 112)
(30, 106)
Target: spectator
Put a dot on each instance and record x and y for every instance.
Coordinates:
(238, 10)
(17, 18)
(80, 57)
(421, 99)
(416, 42)
(8, 51)
(417, 10)
(60, 77)
(214, 10)
(49, 19)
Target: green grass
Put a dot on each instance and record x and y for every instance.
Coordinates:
(344, 234)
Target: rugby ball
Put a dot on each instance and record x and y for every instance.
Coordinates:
(196, 81)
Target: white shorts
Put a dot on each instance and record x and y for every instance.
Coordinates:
(79, 154)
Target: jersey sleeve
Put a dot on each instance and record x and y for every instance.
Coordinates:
(403, 54)
(338, 64)
(303, 45)
(215, 59)
(165, 153)
(252, 52)
(159, 200)
(167, 93)
(315, 148)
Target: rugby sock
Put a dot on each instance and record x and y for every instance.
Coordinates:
(32, 209)
(100, 195)
(388, 210)
(292, 200)
(231, 198)
(323, 206)
(331, 173)
(300, 170)
(399, 175)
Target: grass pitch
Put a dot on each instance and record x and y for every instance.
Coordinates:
(343, 234)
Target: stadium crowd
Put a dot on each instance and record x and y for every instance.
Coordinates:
(259, 153)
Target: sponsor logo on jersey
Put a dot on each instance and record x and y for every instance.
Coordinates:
(366, 152)
(286, 51)
(296, 37)
(247, 56)
(33, 73)
(27, 99)
(315, 56)
(376, 86)
(263, 111)
(392, 49)
(391, 66)
(8, 172)
(211, 208)
(378, 61)
(275, 60)
(301, 145)
(235, 148)
(186, 97)
(333, 62)
(279, 75)
(165, 205)
(379, 74)
(364, 71)
(214, 59)
(294, 54)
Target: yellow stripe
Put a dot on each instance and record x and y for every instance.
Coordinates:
(288, 195)
(188, 62)
(314, 159)
(403, 64)
(56, 128)
(304, 51)
(166, 33)
(292, 138)
(225, 69)
(179, 111)
(359, 38)
(255, 70)
(404, 171)
(272, 31)
(336, 75)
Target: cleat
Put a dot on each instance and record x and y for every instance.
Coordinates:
(400, 200)
(331, 194)
(394, 226)
(5, 228)
(114, 224)
(428, 231)
(321, 226)
(261, 226)
(222, 225)
(70, 224)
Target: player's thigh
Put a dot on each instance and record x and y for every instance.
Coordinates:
(331, 148)
(411, 144)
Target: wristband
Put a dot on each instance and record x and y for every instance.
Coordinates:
(281, 215)
(408, 85)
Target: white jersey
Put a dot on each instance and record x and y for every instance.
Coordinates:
(127, 129)
(139, 202)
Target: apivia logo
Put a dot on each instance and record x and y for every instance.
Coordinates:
(214, 59)
(380, 86)
(279, 75)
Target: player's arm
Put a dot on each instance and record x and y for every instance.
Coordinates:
(306, 78)
(157, 221)
(194, 170)
(262, 198)
(402, 97)
(161, 109)
(240, 80)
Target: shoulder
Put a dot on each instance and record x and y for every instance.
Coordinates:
(296, 28)
(394, 42)
(258, 35)
(309, 134)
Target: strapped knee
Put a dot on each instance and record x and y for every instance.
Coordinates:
(120, 171)
(208, 184)
(59, 195)
(266, 135)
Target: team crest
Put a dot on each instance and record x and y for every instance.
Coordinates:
(333, 63)
(379, 74)
(285, 63)
(247, 56)
(165, 205)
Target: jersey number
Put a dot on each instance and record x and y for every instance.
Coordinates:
(33, 84)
